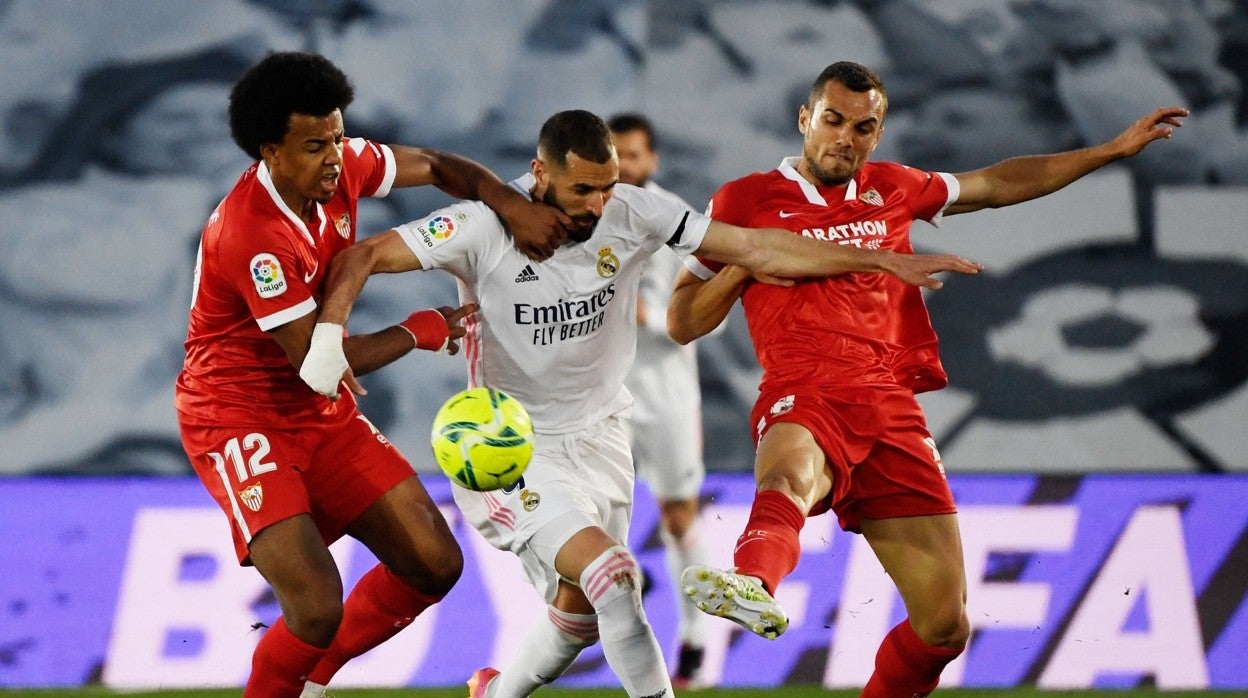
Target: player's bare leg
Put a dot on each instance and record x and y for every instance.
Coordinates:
(792, 476)
(408, 534)
(294, 560)
(923, 555)
(419, 563)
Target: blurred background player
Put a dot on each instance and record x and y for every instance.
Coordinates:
(666, 423)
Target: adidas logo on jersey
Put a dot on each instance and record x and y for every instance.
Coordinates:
(526, 274)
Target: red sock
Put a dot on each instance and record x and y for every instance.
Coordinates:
(906, 666)
(280, 664)
(769, 548)
(377, 608)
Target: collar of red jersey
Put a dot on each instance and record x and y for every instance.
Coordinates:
(266, 180)
(788, 168)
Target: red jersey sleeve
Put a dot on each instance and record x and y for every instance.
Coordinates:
(928, 192)
(265, 269)
(369, 168)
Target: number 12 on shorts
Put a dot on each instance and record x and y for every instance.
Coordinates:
(257, 447)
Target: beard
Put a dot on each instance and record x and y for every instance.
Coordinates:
(826, 177)
(582, 226)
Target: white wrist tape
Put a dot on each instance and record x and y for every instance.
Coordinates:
(325, 363)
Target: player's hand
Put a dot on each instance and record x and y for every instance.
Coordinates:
(455, 316)
(325, 363)
(1157, 125)
(917, 269)
(348, 378)
(536, 228)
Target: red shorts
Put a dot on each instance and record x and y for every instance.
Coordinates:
(260, 475)
(884, 462)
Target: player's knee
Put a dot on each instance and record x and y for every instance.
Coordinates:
(948, 628)
(678, 516)
(612, 583)
(314, 622)
(447, 570)
(797, 485)
(612, 575)
(435, 574)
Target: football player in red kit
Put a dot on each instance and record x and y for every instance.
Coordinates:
(836, 423)
(293, 470)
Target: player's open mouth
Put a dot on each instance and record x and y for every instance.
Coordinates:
(329, 183)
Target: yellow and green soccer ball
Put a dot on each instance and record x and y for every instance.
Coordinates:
(482, 439)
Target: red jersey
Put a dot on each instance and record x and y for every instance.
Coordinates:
(853, 329)
(260, 266)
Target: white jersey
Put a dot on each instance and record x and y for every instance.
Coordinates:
(558, 335)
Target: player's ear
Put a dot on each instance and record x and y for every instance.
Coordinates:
(541, 172)
(268, 151)
(803, 118)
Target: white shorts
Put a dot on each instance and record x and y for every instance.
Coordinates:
(574, 481)
(666, 422)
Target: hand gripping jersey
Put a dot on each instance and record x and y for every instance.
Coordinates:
(853, 329)
(258, 267)
(557, 335)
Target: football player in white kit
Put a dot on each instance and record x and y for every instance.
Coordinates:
(560, 336)
(666, 422)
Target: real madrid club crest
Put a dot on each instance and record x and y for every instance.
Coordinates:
(530, 499)
(608, 263)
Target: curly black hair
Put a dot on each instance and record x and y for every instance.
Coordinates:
(281, 84)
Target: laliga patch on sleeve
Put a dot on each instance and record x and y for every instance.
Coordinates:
(266, 274)
(439, 229)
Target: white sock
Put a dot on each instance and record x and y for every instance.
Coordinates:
(612, 583)
(312, 690)
(681, 553)
(554, 640)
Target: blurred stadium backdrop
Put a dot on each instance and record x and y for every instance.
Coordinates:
(1094, 427)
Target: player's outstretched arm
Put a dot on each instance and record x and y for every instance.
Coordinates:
(536, 228)
(1029, 177)
(323, 356)
(779, 253)
(329, 357)
(697, 307)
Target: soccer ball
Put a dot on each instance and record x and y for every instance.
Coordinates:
(482, 439)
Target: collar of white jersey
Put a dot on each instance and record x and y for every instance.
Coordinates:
(524, 184)
(266, 179)
(788, 168)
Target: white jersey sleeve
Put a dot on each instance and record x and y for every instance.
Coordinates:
(459, 238)
(664, 219)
